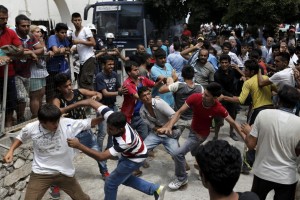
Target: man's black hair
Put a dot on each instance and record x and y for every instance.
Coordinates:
(61, 79)
(288, 96)
(220, 164)
(255, 54)
(177, 46)
(187, 72)
(206, 44)
(252, 65)
(75, 15)
(128, 65)
(49, 113)
(61, 26)
(104, 59)
(137, 46)
(215, 52)
(117, 120)
(3, 9)
(159, 53)
(226, 44)
(214, 89)
(284, 56)
(225, 57)
(142, 89)
(275, 46)
(244, 44)
(144, 57)
(20, 18)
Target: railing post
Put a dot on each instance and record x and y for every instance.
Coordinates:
(4, 100)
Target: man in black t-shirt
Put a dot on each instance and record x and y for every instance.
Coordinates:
(228, 76)
(108, 83)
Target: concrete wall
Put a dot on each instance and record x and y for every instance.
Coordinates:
(15, 176)
(59, 10)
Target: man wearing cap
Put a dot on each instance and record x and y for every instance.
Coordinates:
(99, 42)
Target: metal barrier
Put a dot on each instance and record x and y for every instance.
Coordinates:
(27, 113)
(49, 89)
(4, 97)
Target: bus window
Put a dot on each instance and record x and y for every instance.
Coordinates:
(128, 20)
(106, 23)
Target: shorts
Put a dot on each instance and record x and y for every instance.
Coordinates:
(11, 99)
(86, 74)
(22, 85)
(37, 84)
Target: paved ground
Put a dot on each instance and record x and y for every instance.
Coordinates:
(161, 171)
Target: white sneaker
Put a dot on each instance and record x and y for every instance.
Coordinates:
(176, 184)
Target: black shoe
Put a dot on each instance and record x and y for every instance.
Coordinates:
(245, 169)
(233, 136)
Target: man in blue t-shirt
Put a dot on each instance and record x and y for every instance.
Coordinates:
(162, 70)
(59, 45)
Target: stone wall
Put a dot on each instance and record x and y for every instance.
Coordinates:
(14, 176)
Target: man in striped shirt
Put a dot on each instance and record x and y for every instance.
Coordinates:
(131, 150)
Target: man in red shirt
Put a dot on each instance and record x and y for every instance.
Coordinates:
(8, 37)
(205, 107)
(131, 104)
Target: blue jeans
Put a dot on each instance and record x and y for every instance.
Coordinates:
(170, 144)
(88, 139)
(102, 129)
(140, 126)
(123, 175)
(190, 145)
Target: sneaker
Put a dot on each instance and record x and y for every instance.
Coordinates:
(176, 184)
(54, 192)
(233, 136)
(160, 193)
(137, 173)
(104, 175)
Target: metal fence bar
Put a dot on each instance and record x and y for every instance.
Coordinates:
(4, 100)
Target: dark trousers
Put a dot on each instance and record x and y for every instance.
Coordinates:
(282, 192)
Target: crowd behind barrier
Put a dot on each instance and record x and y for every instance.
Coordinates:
(28, 92)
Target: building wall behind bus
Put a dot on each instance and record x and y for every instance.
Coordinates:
(38, 10)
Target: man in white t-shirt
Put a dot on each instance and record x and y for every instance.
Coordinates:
(284, 75)
(84, 40)
(52, 158)
(275, 134)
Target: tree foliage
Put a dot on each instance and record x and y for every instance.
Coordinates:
(253, 12)
(262, 12)
(164, 13)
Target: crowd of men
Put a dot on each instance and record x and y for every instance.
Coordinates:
(192, 83)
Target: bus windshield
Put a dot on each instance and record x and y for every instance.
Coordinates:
(121, 20)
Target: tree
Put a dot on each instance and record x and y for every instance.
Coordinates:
(164, 13)
(262, 12)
